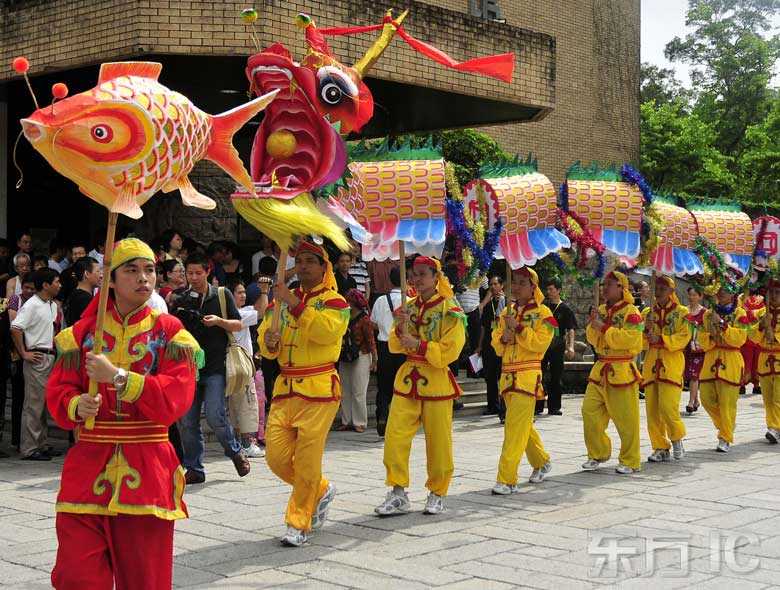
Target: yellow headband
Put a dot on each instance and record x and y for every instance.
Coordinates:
(443, 286)
(328, 279)
(130, 249)
(669, 283)
(623, 280)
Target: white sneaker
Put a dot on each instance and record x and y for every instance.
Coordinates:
(321, 512)
(394, 504)
(502, 489)
(294, 537)
(772, 435)
(660, 456)
(253, 451)
(434, 504)
(625, 469)
(723, 446)
(678, 451)
(591, 465)
(538, 475)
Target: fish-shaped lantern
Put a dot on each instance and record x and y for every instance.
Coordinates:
(130, 136)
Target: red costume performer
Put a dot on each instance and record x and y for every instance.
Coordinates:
(122, 484)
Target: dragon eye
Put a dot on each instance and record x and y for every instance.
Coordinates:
(331, 93)
(102, 133)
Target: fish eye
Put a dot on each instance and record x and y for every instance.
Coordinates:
(331, 93)
(102, 133)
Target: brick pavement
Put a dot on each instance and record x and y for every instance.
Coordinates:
(539, 538)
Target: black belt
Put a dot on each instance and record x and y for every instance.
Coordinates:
(44, 351)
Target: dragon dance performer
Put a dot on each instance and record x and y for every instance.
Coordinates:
(666, 335)
(521, 340)
(307, 391)
(755, 306)
(766, 335)
(430, 330)
(122, 483)
(615, 331)
(723, 332)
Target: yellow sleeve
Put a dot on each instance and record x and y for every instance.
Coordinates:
(593, 336)
(447, 349)
(682, 332)
(538, 338)
(265, 325)
(628, 337)
(498, 332)
(394, 342)
(736, 335)
(703, 336)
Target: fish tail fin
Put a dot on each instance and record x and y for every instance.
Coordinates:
(282, 220)
(191, 197)
(224, 126)
(126, 203)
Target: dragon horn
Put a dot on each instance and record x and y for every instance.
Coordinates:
(375, 51)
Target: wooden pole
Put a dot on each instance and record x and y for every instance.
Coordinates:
(402, 269)
(97, 348)
(508, 284)
(281, 271)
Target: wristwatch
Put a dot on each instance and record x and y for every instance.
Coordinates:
(120, 379)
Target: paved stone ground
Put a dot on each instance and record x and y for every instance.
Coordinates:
(548, 536)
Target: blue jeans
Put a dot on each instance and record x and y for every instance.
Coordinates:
(211, 391)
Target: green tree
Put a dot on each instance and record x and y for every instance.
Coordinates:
(661, 85)
(732, 64)
(678, 155)
(759, 162)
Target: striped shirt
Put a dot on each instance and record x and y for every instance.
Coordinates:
(359, 272)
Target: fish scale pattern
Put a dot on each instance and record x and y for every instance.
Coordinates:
(182, 132)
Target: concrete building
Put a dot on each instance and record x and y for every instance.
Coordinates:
(574, 95)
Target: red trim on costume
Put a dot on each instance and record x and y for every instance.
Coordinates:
(307, 371)
(634, 318)
(426, 261)
(422, 348)
(298, 309)
(552, 321)
(304, 246)
(336, 303)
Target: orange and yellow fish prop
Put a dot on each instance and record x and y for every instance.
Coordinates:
(130, 136)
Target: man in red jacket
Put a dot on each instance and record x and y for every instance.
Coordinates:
(122, 484)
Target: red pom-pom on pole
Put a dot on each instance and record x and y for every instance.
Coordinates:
(21, 65)
(59, 90)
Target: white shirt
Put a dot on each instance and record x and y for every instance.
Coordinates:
(258, 256)
(36, 319)
(248, 319)
(382, 315)
(58, 266)
(469, 300)
(359, 272)
(157, 302)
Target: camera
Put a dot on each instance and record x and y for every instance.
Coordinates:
(186, 307)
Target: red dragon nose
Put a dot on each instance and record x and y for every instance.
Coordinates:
(32, 130)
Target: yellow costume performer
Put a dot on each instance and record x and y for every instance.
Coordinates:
(667, 333)
(766, 334)
(307, 391)
(424, 389)
(613, 383)
(521, 349)
(723, 332)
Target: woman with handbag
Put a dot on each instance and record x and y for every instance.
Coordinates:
(358, 358)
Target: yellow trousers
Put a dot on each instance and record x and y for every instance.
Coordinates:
(520, 437)
(404, 421)
(720, 401)
(295, 439)
(621, 404)
(770, 391)
(664, 425)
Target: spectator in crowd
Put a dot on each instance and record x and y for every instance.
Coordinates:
(5, 263)
(15, 303)
(271, 250)
(40, 261)
(216, 253)
(172, 243)
(189, 246)
(469, 300)
(359, 271)
(22, 264)
(33, 332)
(243, 405)
(344, 280)
(389, 363)
(57, 255)
(379, 274)
(694, 353)
(562, 346)
(24, 243)
(97, 252)
(358, 358)
(268, 366)
(198, 308)
(88, 274)
(77, 250)
(174, 281)
(491, 307)
(231, 263)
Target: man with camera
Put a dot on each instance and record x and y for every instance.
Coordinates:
(199, 310)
